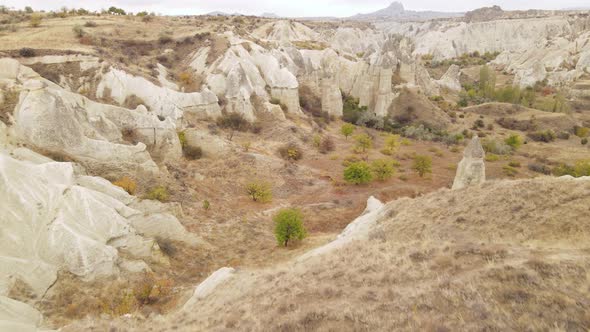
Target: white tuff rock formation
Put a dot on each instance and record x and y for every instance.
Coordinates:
(471, 169)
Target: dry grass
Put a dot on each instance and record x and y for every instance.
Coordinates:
(507, 256)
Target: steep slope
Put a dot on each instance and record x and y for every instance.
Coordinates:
(507, 255)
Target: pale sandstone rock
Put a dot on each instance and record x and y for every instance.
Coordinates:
(358, 228)
(471, 169)
(451, 79)
(212, 145)
(16, 316)
(53, 120)
(52, 221)
(161, 100)
(208, 286)
(331, 97)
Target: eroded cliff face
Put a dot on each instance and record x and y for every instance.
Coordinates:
(553, 47)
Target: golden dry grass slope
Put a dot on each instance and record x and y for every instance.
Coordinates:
(506, 256)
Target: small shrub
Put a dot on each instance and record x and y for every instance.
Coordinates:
(584, 141)
(539, 168)
(563, 169)
(289, 226)
(514, 141)
(358, 173)
(347, 129)
(164, 39)
(78, 31)
(259, 191)
(27, 52)
(350, 160)
(392, 144)
(496, 147)
(403, 177)
(564, 135)
(192, 152)
(291, 152)
(582, 167)
(150, 289)
(327, 145)
(382, 169)
(90, 24)
(582, 132)
(35, 20)
(514, 164)
(206, 205)
(509, 171)
(491, 157)
(543, 136)
(159, 193)
(127, 184)
(182, 138)
(422, 165)
(478, 124)
(363, 142)
(233, 122)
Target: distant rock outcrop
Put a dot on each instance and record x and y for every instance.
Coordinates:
(396, 11)
(471, 169)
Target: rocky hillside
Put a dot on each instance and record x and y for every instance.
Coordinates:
(141, 153)
(501, 256)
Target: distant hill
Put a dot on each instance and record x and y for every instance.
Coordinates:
(269, 15)
(396, 11)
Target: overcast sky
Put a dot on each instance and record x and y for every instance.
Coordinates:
(292, 8)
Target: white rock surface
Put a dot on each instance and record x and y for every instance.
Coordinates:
(18, 317)
(361, 226)
(53, 120)
(208, 286)
(51, 222)
(471, 169)
(162, 101)
(451, 79)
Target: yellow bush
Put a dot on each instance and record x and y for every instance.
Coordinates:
(127, 184)
(159, 193)
(35, 20)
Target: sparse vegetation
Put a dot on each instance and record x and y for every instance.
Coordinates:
(347, 129)
(546, 136)
(514, 141)
(363, 142)
(422, 165)
(78, 31)
(382, 169)
(291, 152)
(158, 193)
(9, 102)
(233, 122)
(127, 184)
(27, 52)
(35, 20)
(259, 191)
(358, 173)
(289, 226)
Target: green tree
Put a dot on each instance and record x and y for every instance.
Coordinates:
(289, 226)
(28, 9)
(358, 173)
(487, 82)
(347, 129)
(422, 165)
(382, 169)
(363, 142)
(514, 141)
